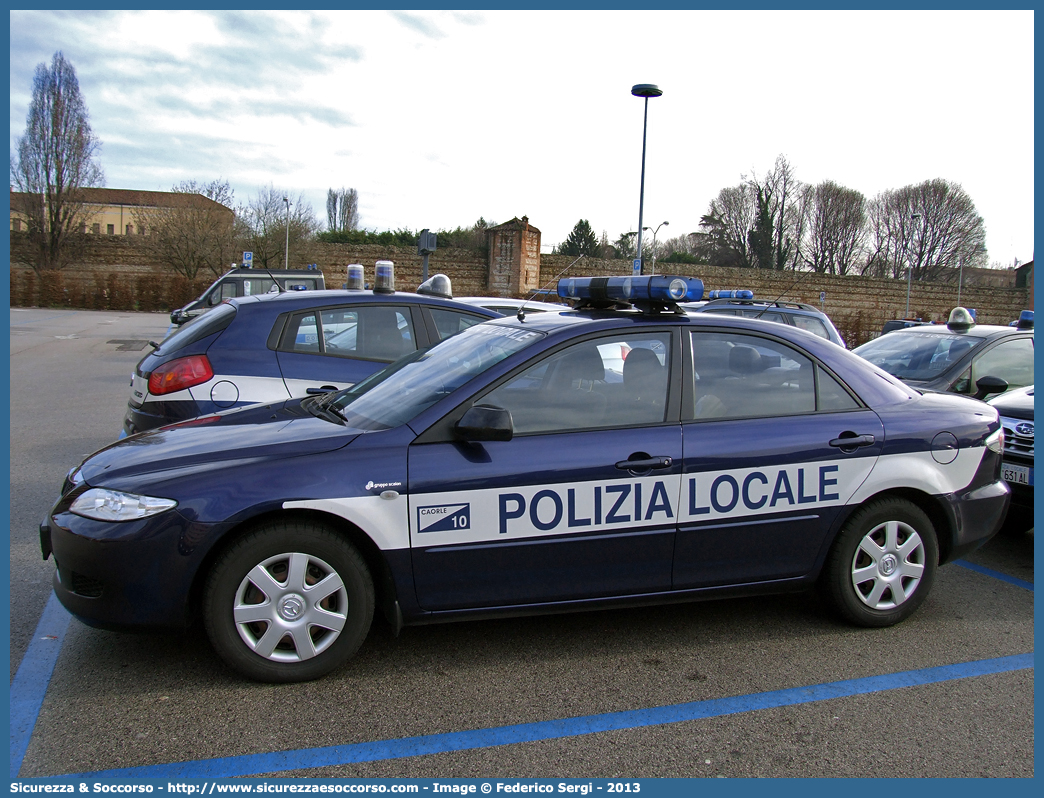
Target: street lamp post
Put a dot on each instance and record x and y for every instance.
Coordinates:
(909, 266)
(960, 278)
(645, 90)
(654, 232)
(287, 253)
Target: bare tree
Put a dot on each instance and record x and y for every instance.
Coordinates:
(777, 214)
(835, 222)
(196, 232)
(932, 227)
(342, 209)
(266, 223)
(54, 162)
(725, 229)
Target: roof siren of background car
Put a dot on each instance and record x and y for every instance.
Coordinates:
(960, 319)
(437, 285)
(731, 294)
(384, 279)
(356, 277)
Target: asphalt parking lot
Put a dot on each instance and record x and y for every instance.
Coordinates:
(767, 687)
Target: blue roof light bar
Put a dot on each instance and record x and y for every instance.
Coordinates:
(660, 288)
(739, 293)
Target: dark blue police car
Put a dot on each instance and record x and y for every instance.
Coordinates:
(619, 453)
(271, 347)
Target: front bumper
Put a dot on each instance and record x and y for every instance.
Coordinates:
(128, 576)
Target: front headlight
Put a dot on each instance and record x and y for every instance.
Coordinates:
(113, 505)
(995, 443)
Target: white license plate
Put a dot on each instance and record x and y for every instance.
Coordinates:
(1017, 475)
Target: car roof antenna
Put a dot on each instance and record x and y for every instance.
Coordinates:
(274, 280)
(788, 289)
(521, 315)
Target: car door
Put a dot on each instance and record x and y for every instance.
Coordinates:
(774, 445)
(328, 348)
(1010, 359)
(581, 502)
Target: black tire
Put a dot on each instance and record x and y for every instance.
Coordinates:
(261, 616)
(882, 565)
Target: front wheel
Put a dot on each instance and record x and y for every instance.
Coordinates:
(288, 602)
(882, 564)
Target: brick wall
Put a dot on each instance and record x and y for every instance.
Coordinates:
(118, 275)
(858, 306)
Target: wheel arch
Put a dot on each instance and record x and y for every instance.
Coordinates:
(380, 570)
(936, 508)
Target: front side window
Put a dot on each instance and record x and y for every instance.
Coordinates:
(615, 381)
(1012, 361)
(745, 376)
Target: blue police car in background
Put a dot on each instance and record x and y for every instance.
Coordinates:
(619, 453)
(797, 314)
(270, 347)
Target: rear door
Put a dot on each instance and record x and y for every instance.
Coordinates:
(774, 446)
(329, 348)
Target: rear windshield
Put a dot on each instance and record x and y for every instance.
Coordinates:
(206, 324)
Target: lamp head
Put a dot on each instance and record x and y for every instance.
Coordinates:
(646, 90)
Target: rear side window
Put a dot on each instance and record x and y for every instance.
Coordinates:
(371, 332)
(745, 376)
(200, 327)
(451, 322)
(812, 324)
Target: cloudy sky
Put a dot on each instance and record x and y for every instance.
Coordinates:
(440, 117)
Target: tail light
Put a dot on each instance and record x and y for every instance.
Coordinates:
(177, 375)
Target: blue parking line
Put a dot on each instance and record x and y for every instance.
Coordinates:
(995, 574)
(282, 761)
(30, 686)
(33, 677)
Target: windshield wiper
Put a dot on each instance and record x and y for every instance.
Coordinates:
(320, 408)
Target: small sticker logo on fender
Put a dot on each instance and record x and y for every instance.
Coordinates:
(443, 517)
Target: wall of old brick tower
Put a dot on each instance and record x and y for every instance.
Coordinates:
(514, 258)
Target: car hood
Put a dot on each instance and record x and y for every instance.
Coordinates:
(256, 432)
(1017, 403)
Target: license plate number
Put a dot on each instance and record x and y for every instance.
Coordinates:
(1017, 475)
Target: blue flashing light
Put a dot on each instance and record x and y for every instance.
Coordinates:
(731, 294)
(651, 288)
(1025, 321)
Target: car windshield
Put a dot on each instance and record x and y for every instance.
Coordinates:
(917, 356)
(414, 384)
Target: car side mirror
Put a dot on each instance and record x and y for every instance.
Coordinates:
(984, 386)
(485, 423)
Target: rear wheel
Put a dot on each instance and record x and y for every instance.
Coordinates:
(288, 602)
(882, 564)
